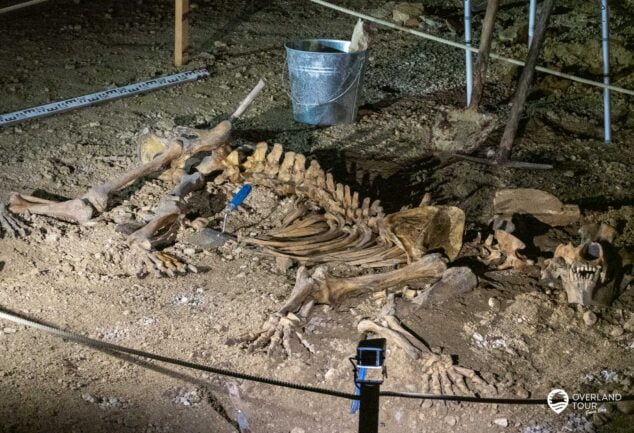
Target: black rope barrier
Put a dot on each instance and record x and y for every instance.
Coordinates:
(102, 345)
(464, 398)
(122, 349)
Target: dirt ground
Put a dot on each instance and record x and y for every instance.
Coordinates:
(527, 340)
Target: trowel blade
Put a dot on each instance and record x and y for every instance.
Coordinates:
(210, 238)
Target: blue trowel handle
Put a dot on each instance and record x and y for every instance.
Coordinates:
(239, 198)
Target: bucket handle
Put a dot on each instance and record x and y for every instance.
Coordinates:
(285, 79)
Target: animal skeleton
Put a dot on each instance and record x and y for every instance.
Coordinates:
(331, 224)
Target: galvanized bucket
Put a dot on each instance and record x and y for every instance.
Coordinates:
(325, 80)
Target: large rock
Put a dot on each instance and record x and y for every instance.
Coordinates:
(454, 282)
(542, 205)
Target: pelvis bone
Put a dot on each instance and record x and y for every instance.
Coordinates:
(590, 272)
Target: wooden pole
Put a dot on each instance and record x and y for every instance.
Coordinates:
(524, 84)
(181, 32)
(482, 62)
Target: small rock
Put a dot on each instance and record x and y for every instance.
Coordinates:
(514, 33)
(51, 237)
(494, 303)
(298, 430)
(617, 331)
(502, 422)
(9, 331)
(589, 318)
(521, 392)
(626, 407)
(451, 420)
(430, 23)
(89, 398)
(330, 374)
(412, 22)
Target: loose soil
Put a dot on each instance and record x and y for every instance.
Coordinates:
(78, 277)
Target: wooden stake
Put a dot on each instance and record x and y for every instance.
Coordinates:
(181, 32)
(524, 84)
(482, 62)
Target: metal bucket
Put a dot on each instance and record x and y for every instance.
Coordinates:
(325, 80)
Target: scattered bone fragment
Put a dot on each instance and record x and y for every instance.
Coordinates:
(502, 250)
(158, 263)
(544, 206)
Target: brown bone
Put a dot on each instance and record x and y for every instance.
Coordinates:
(326, 289)
(72, 210)
(98, 196)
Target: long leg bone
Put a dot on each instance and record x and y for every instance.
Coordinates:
(98, 196)
(75, 210)
(81, 210)
(323, 288)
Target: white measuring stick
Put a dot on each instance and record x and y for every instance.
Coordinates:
(106, 95)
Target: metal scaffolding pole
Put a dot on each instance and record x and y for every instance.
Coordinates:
(605, 40)
(532, 11)
(468, 53)
(458, 45)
